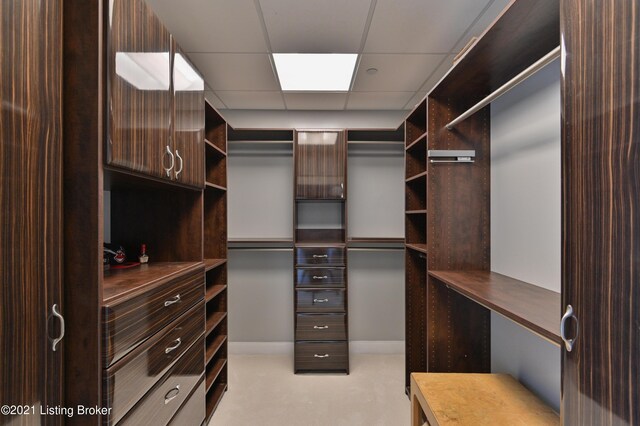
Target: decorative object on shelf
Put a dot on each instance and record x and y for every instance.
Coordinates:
(144, 258)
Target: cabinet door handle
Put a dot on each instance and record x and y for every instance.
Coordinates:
(173, 162)
(320, 327)
(172, 394)
(181, 164)
(568, 343)
(177, 344)
(56, 313)
(321, 356)
(324, 277)
(320, 256)
(174, 299)
(320, 300)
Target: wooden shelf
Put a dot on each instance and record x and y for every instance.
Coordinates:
(376, 240)
(214, 320)
(422, 248)
(416, 142)
(259, 240)
(214, 186)
(123, 284)
(216, 150)
(422, 175)
(210, 264)
(533, 307)
(213, 372)
(213, 291)
(214, 395)
(422, 211)
(213, 347)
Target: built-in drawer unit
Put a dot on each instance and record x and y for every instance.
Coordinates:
(320, 255)
(128, 322)
(320, 277)
(322, 356)
(127, 381)
(319, 301)
(321, 327)
(193, 411)
(161, 403)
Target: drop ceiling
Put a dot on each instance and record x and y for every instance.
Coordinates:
(411, 43)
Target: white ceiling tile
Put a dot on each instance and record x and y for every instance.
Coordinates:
(315, 101)
(420, 26)
(252, 100)
(438, 74)
(328, 26)
(378, 100)
(214, 100)
(224, 71)
(483, 22)
(213, 25)
(396, 73)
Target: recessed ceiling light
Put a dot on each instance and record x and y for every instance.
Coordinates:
(330, 72)
(372, 71)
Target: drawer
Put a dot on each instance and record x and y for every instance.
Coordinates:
(128, 323)
(126, 382)
(320, 277)
(161, 403)
(321, 255)
(318, 301)
(325, 356)
(193, 411)
(321, 327)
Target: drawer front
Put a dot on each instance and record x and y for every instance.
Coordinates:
(127, 381)
(320, 256)
(320, 277)
(193, 411)
(318, 301)
(129, 323)
(165, 398)
(329, 356)
(321, 327)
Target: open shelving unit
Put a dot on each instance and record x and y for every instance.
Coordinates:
(215, 259)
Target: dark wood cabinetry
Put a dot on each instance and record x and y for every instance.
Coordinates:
(320, 165)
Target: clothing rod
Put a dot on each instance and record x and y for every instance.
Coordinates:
(375, 248)
(534, 68)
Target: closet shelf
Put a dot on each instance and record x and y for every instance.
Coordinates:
(214, 371)
(421, 176)
(417, 141)
(422, 211)
(213, 291)
(533, 307)
(212, 348)
(214, 395)
(376, 240)
(123, 284)
(214, 186)
(215, 149)
(213, 320)
(210, 264)
(422, 248)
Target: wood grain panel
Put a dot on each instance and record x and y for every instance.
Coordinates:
(192, 412)
(318, 256)
(139, 95)
(215, 127)
(188, 119)
(322, 356)
(30, 205)
(320, 300)
(601, 201)
(215, 224)
(126, 382)
(320, 159)
(415, 313)
(321, 327)
(320, 277)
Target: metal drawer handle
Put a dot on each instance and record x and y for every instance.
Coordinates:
(320, 256)
(56, 313)
(173, 162)
(568, 343)
(320, 327)
(324, 277)
(181, 164)
(320, 300)
(174, 347)
(321, 356)
(174, 299)
(171, 395)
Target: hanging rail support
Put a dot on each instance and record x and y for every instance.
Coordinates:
(534, 68)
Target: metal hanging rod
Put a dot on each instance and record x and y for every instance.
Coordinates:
(534, 68)
(375, 248)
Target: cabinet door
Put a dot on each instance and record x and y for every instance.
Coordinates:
(31, 208)
(188, 121)
(320, 164)
(139, 96)
(601, 191)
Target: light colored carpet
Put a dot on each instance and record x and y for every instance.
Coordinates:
(264, 391)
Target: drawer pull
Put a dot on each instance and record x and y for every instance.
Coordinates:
(320, 327)
(324, 277)
(174, 299)
(321, 356)
(320, 256)
(171, 395)
(320, 300)
(177, 344)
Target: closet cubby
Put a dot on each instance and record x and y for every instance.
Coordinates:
(216, 166)
(416, 194)
(320, 222)
(416, 231)
(415, 313)
(416, 157)
(215, 128)
(416, 124)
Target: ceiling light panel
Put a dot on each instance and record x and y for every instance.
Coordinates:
(315, 72)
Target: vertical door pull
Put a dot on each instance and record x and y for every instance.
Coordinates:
(568, 343)
(173, 162)
(181, 164)
(56, 313)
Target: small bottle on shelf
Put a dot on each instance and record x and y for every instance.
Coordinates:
(143, 254)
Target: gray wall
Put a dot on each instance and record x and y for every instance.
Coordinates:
(526, 220)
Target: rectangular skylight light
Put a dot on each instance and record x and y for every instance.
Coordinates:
(330, 72)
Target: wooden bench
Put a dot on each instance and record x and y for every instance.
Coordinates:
(439, 399)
